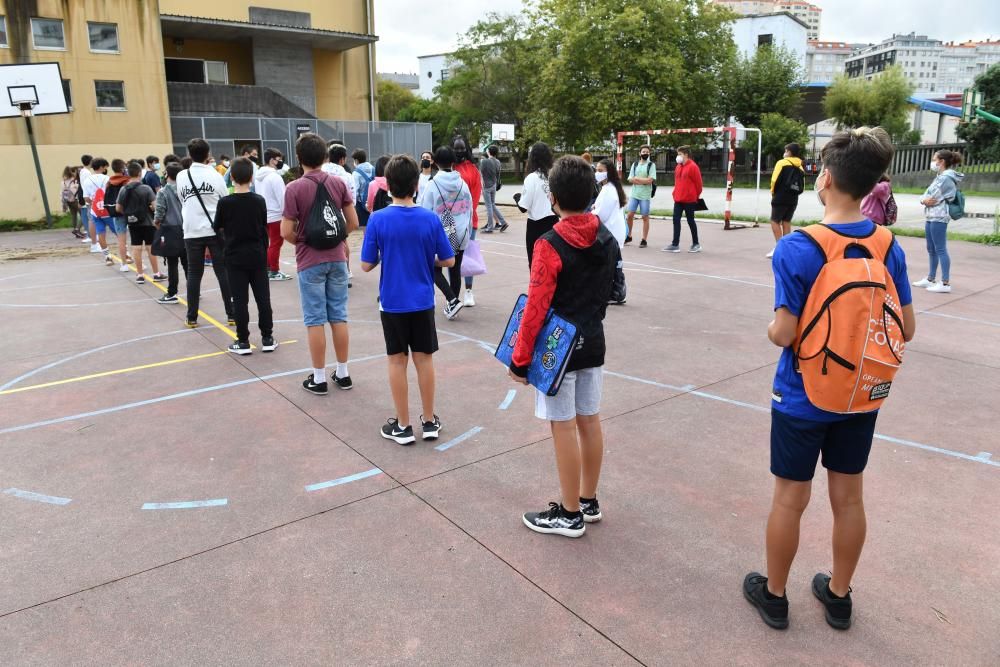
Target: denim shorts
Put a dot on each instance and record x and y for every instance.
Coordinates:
(103, 224)
(120, 226)
(323, 291)
(641, 204)
(579, 394)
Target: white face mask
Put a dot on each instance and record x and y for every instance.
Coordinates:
(679, 159)
(819, 190)
(935, 166)
(601, 176)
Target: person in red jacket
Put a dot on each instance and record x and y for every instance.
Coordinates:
(469, 172)
(687, 191)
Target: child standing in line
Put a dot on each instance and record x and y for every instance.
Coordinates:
(409, 242)
(572, 272)
(241, 219)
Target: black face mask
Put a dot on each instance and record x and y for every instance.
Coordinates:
(281, 163)
(425, 164)
(461, 155)
(644, 156)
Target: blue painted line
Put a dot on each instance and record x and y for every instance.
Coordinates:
(462, 438)
(344, 480)
(38, 497)
(510, 399)
(984, 456)
(187, 504)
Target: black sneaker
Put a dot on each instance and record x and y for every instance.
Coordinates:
(313, 387)
(774, 611)
(628, 239)
(556, 521)
(344, 382)
(268, 344)
(432, 429)
(401, 436)
(451, 310)
(838, 610)
(168, 298)
(643, 244)
(504, 227)
(140, 280)
(240, 347)
(191, 324)
(591, 510)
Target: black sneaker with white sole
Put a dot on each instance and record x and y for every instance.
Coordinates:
(268, 344)
(452, 308)
(838, 610)
(168, 298)
(344, 382)
(401, 436)
(556, 521)
(432, 429)
(240, 347)
(772, 610)
(141, 280)
(314, 387)
(591, 510)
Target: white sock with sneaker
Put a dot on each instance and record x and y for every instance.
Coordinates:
(319, 375)
(342, 371)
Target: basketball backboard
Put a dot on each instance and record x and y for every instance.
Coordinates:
(38, 84)
(503, 132)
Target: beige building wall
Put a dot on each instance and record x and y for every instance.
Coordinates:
(341, 15)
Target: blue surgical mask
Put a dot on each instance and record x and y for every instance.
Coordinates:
(156, 166)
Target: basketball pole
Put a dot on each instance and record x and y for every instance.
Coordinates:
(38, 170)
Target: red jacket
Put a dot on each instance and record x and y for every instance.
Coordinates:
(470, 174)
(687, 183)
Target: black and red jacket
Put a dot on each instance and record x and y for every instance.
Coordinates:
(573, 272)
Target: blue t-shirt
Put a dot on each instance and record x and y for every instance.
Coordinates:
(152, 180)
(797, 263)
(406, 240)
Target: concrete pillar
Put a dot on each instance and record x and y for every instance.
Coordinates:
(287, 69)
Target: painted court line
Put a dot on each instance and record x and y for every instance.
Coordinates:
(186, 504)
(37, 497)
(963, 319)
(74, 284)
(687, 387)
(507, 401)
(938, 450)
(74, 305)
(460, 439)
(344, 480)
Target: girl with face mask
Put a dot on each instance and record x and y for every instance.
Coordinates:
(935, 200)
(469, 171)
(427, 171)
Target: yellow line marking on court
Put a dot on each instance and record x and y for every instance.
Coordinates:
(208, 318)
(120, 371)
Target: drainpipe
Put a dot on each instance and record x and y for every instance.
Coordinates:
(371, 61)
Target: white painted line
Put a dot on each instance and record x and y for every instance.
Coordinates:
(507, 401)
(38, 497)
(81, 282)
(344, 480)
(963, 319)
(984, 456)
(687, 387)
(929, 448)
(460, 439)
(186, 504)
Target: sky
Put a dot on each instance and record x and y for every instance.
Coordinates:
(410, 28)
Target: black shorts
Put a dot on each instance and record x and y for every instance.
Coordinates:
(782, 212)
(140, 234)
(796, 445)
(406, 332)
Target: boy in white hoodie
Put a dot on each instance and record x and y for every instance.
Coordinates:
(271, 186)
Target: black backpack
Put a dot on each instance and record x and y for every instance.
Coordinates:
(111, 198)
(133, 209)
(381, 200)
(325, 226)
(795, 181)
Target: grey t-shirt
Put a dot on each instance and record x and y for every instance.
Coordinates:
(137, 198)
(490, 169)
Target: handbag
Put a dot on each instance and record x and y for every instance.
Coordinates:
(168, 241)
(472, 261)
(701, 205)
(554, 346)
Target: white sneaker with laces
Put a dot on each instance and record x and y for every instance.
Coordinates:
(96, 248)
(770, 253)
(123, 268)
(470, 300)
(939, 288)
(923, 282)
(85, 239)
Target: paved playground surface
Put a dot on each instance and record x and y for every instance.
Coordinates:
(166, 503)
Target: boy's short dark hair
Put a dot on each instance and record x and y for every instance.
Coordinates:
(684, 149)
(223, 157)
(170, 157)
(856, 159)
(311, 150)
(98, 163)
(649, 147)
(493, 151)
(151, 160)
(338, 152)
(186, 162)
(247, 149)
(270, 154)
(134, 169)
(402, 174)
(173, 168)
(118, 165)
(380, 165)
(571, 182)
(359, 156)
(794, 149)
(198, 149)
(85, 159)
(241, 170)
(444, 157)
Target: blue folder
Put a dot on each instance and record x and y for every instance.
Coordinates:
(554, 346)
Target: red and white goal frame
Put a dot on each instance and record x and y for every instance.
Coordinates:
(726, 130)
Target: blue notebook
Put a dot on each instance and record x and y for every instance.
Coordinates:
(554, 346)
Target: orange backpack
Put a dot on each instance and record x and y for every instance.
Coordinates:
(850, 337)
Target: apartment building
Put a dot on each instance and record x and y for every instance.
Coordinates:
(808, 13)
(825, 60)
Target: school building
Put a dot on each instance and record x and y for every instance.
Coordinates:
(130, 66)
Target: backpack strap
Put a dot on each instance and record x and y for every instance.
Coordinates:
(834, 245)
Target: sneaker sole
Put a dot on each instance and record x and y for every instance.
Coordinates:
(455, 313)
(588, 518)
(168, 303)
(399, 440)
(269, 348)
(432, 435)
(833, 622)
(242, 353)
(191, 325)
(565, 532)
(776, 623)
(315, 393)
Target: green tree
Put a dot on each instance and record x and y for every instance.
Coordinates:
(444, 121)
(983, 136)
(612, 65)
(883, 101)
(767, 82)
(392, 98)
(777, 131)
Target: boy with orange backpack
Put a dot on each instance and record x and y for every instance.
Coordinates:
(843, 312)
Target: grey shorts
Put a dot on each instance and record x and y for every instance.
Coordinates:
(579, 394)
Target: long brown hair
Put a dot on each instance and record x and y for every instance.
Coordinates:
(614, 179)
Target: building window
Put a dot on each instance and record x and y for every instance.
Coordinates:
(67, 93)
(110, 95)
(3, 32)
(216, 71)
(765, 40)
(103, 37)
(48, 34)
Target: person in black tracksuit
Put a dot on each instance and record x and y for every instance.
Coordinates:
(241, 219)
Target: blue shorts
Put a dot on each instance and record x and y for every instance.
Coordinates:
(104, 224)
(796, 445)
(641, 204)
(120, 226)
(323, 291)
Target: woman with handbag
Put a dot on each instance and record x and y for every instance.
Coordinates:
(168, 242)
(449, 198)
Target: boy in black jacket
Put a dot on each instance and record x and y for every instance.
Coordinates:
(241, 219)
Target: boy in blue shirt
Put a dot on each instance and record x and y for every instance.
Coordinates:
(409, 242)
(853, 162)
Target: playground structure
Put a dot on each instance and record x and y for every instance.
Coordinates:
(728, 131)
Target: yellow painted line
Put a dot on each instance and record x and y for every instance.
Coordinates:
(201, 313)
(120, 371)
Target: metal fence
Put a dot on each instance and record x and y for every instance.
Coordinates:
(909, 159)
(227, 135)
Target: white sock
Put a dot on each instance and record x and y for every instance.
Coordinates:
(342, 371)
(319, 375)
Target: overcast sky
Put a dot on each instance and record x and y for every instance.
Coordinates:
(411, 28)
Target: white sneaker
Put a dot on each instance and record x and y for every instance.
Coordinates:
(85, 239)
(940, 288)
(923, 282)
(123, 268)
(96, 248)
(770, 253)
(470, 300)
